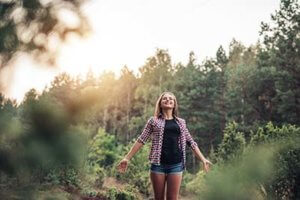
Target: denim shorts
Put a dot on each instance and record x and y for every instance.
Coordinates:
(167, 169)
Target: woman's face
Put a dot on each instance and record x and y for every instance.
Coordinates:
(167, 101)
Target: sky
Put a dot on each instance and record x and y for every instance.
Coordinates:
(128, 32)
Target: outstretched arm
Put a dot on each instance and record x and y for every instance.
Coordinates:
(200, 156)
(196, 150)
(135, 148)
(123, 164)
(142, 139)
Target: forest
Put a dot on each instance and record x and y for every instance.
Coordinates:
(242, 107)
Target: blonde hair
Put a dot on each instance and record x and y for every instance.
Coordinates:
(158, 109)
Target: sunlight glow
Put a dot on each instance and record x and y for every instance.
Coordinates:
(128, 32)
(26, 75)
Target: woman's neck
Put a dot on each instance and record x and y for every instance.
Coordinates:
(168, 114)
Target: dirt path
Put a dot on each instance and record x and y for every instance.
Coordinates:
(112, 182)
(187, 198)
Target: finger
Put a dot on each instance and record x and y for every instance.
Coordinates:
(120, 168)
(124, 166)
(208, 163)
(120, 164)
(206, 167)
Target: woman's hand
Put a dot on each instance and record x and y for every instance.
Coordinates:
(206, 165)
(123, 164)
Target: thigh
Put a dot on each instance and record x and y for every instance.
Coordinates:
(173, 186)
(158, 182)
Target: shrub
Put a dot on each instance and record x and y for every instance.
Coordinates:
(138, 170)
(233, 143)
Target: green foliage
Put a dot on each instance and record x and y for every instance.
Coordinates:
(27, 26)
(233, 143)
(241, 89)
(240, 178)
(63, 176)
(267, 168)
(199, 90)
(103, 149)
(102, 153)
(138, 170)
(194, 183)
(156, 77)
(271, 133)
(129, 193)
(94, 175)
(75, 132)
(285, 181)
(282, 46)
(42, 148)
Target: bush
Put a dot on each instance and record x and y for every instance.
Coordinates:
(267, 168)
(233, 143)
(285, 180)
(103, 149)
(129, 193)
(95, 175)
(138, 170)
(240, 178)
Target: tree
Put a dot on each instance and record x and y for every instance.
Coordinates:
(156, 77)
(28, 26)
(197, 89)
(282, 50)
(243, 88)
(222, 61)
(126, 89)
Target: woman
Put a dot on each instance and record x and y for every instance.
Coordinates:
(168, 152)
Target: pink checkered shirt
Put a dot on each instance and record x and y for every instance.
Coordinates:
(155, 128)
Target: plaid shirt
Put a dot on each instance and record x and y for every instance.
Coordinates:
(155, 128)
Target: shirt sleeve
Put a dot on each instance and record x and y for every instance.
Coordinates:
(189, 139)
(146, 132)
